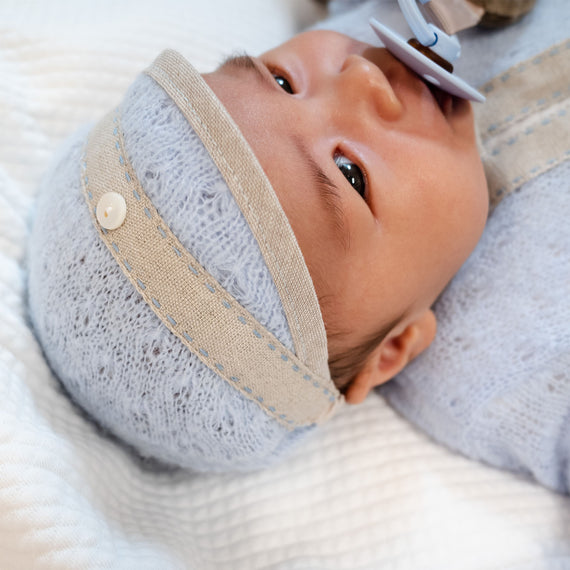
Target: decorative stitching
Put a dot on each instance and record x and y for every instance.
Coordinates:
(530, 130)
(156, 302)
(529, 174)
(512, 74)
(524, 111)
(243, 194)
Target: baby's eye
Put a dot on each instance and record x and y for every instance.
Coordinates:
(283, 83)
(352, 173)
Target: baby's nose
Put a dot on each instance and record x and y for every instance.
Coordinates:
(362, 80)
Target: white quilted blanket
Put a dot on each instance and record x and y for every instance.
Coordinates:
(367, 492)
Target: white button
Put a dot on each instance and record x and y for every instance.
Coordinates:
(111, 210)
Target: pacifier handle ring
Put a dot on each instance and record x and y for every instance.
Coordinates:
(417, 23)
(427, 34)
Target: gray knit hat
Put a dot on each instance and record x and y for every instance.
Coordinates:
(167, 288)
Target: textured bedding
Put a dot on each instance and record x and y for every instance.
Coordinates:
(367, 491)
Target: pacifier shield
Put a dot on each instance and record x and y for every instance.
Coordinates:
(424, 66)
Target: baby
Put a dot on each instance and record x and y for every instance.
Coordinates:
(379, 179)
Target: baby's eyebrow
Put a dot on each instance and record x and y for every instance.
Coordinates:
(246, 62)
(330, 195)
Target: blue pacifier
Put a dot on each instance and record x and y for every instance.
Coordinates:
(430, 54)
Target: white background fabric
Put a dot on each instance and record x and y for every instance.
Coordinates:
(368, 491)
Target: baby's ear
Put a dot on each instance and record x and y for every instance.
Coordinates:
(392, 355)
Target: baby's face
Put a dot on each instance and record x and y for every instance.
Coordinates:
(380, 180)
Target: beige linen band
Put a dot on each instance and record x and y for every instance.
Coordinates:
(190, 302)
(256, 199)
(524, 126)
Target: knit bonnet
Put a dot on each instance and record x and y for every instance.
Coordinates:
(166, 286)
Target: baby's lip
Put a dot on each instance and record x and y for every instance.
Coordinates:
(443, 99)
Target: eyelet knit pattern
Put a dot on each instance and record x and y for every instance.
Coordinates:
(110, 351)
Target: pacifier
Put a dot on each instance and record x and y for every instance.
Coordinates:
(430, 54)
